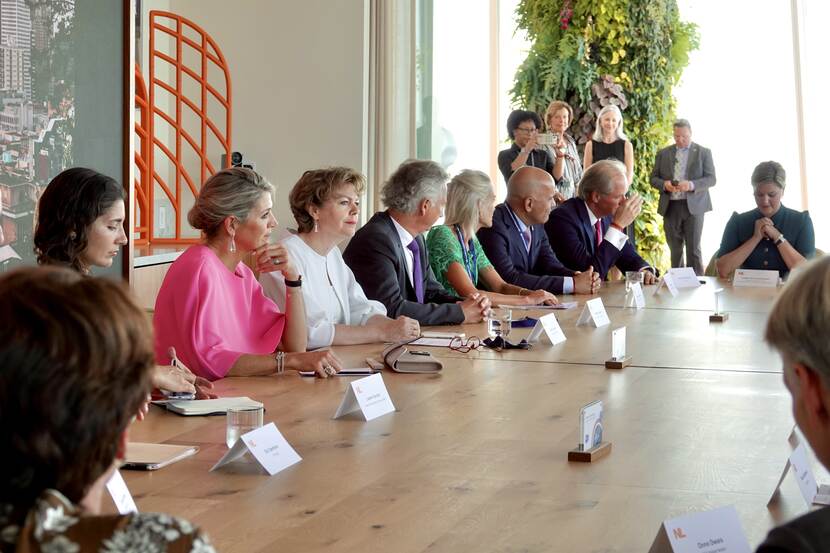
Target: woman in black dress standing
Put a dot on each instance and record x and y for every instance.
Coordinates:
(609, 141)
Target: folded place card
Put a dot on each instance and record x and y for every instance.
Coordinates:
(715, 531)
(121, 495)
(593, 314)
(637, 295)
(267, 445)
(755, 277)
(549, 326)
(367, 395)
(668, 281)
(684, 277)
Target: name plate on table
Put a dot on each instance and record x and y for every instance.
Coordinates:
(618, 343)
(755, 278)
(268, 446)
(120, 494)
(593, 314)
(715, 531)
(550, 327)
(668, 281)
(637, 294)
(367, 395)
(684, 277)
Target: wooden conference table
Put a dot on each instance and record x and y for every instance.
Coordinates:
(475, 458)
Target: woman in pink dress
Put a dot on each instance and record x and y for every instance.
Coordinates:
(210, 306)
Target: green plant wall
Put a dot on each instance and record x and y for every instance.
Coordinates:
(580, 47)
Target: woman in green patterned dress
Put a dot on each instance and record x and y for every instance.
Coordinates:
(455, 254)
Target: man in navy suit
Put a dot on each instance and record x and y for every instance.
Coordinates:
(389, 257)
(588, 231)
(517, 245)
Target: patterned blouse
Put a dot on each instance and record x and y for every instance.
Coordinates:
(55, 525)
(445, 248)
(571, 171)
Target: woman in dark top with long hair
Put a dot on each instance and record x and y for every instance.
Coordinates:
(609, 141)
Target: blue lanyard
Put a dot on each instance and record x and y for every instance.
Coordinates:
(518, 227)
(472, 270)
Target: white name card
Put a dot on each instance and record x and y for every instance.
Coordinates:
(755, 277)
(594, 314)
(120, 494)
(804, 474)
(637, 294)
(618, 343)
(367, 395)
(668, 281)
(549, 326)
(267, 445)
(684, 277)
(715, 531)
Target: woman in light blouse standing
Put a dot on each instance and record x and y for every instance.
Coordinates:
(325, 203)
(567, 167)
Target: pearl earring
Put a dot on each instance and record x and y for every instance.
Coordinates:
(316, 228)
(232, 246)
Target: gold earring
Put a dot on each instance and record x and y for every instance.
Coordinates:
(316, 228)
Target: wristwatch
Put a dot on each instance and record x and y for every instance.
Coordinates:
(780, 239)
(294, 283)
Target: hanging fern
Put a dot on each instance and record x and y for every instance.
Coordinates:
(580, 48)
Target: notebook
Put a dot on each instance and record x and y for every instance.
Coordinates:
(143, 456)
(197, 407)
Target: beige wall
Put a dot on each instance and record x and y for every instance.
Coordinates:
(300, 78)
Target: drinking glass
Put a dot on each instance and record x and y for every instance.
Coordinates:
(498, 322)
(631, 277)
(241, 421)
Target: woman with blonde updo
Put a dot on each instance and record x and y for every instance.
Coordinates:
(211, 307)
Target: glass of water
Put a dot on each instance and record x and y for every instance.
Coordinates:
(241, 421)
(498, 322)
(631, 277)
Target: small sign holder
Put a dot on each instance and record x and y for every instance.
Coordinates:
(717, 316)
(591, 447)
(577, 455)
(619, 360)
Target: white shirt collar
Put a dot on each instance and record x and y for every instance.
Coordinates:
(403, 234)
(591, 217)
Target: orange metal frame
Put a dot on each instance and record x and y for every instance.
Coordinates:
(176, 26)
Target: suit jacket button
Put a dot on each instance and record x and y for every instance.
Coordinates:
(765, 263)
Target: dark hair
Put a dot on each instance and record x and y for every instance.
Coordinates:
(69, 205)
(769, 171)
(317, 186)
(76, 355)
(519, 116)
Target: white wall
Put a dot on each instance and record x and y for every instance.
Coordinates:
(299, 82)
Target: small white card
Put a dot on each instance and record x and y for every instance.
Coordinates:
(367, 395)
(590, 425)
(267, 445)
(434, 342)
(594, 314)
(121, 495)
(618, 343)
(715, 531)
(668, 281)
(684, 277)
(550, 327)
(637, 294)
(804, 474)
(755, 277)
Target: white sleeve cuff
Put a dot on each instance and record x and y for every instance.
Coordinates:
(616, 237)
(568, 285)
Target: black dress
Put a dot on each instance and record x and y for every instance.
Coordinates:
(615, 150)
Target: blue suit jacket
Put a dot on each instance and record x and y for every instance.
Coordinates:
(573, 238)
(505, 248)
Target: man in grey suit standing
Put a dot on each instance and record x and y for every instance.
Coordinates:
(683, 174)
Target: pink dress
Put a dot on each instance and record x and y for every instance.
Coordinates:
(212, 316)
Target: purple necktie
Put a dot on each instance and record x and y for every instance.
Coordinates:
(417, 272)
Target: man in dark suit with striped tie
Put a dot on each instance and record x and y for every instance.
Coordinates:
(517, 246)
(588, 230)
